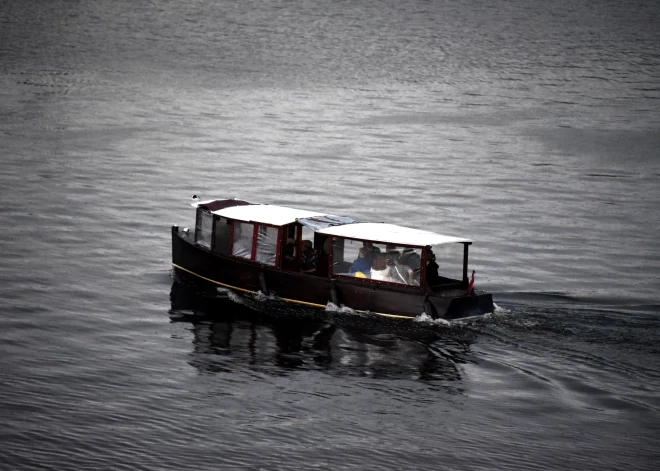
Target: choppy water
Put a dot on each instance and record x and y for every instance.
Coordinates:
(530, 127)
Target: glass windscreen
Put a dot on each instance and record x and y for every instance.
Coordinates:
(267, 245)
(243, 235)
(308, 252)
(449, 260)
(382, 262)
(204, 228)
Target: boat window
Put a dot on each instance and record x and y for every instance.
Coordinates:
(449, 258)
(267, 245)
(308, 234)
(380, 262)
(289, 248)
(204, 228)
(289, 238)
(243, 235)
(221, 236)
(408, 265)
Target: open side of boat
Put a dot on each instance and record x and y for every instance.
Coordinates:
(308, 258)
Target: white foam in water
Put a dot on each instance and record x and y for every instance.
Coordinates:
(331, 307)
(499, 310)
(424, 317)
(235, 297)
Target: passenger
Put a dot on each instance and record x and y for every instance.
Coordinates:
(392, 254)
(362, 264)
(402, 273)
(411, 258)
(432, 277)
(380, 270)
(372, 252)
(307, 257)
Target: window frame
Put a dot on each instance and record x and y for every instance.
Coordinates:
(255, 242)
(255, 238)
(201, 214)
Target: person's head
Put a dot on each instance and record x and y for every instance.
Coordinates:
(368, 245)
(392, 254)
(363, 252)
(380, 263)
(307, 244)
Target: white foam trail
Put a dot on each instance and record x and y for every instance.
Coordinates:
(331, 307)
(424, 317)
(230, 294)
(500, 310)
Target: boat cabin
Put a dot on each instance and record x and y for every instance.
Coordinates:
(319, 244)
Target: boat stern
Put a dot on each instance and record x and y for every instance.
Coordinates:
(470, 306)
(456, 307)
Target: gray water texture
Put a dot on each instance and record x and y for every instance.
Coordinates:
(532, 128)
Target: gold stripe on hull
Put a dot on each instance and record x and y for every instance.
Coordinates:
(283, 299)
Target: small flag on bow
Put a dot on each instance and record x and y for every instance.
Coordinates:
(471, 284)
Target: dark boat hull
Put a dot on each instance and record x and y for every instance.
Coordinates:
(316, 291)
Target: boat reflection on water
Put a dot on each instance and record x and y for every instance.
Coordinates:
(230, 336)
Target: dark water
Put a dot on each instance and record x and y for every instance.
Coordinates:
(530, 127)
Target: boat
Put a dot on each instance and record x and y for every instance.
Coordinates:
(317, 260)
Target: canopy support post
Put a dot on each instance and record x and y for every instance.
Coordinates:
(465, 261)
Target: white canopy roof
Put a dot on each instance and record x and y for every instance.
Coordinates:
(376, 232)
(390, 233)
(265, 214)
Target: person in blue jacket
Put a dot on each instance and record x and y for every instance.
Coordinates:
(362, 264)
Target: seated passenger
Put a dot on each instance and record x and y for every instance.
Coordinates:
(307, 257)
(362, 264)
(372, 252)
(380, 270)
(392, 254)
(411, 258)
(402, 273)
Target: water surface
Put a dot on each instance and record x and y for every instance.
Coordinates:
(531, 128)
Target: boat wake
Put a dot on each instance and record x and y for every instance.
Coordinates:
(272, 304)
(331, 307)
(426, 319)
(500, 310)
(225, 292)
